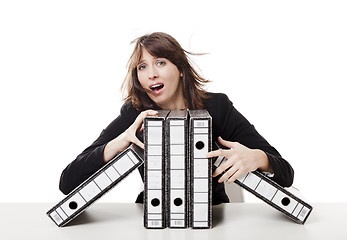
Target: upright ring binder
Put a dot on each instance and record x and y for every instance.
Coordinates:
(177, 169)
(201, 169)
(154, 171)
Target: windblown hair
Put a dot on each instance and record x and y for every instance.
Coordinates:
(162, 45)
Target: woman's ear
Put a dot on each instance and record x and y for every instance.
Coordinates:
(181, 75)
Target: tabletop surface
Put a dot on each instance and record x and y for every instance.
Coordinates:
(125, 221)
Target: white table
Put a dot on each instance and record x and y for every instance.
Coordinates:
(125, 221)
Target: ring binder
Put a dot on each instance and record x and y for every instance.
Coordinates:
(201, 169)
(177, 169)
(96, 185)
(272, 193)
(154, 171)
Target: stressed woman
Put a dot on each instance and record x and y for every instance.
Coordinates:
(160, 76)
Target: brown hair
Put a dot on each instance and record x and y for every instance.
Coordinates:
(162, 45)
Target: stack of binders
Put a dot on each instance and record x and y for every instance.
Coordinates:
(177, 176)
(167, 166)
(178, 182)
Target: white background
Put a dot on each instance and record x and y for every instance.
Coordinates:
(282, 63)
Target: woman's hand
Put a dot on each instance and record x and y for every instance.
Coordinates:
(130, 133)
(240, 160)
(120, 143)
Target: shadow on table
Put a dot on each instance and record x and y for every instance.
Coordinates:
(217, 215)
(83, 218)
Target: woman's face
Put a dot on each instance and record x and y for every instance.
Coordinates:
(161, 80)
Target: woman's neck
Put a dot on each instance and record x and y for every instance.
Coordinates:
(177, 105)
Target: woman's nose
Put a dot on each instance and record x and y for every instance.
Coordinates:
(152, 74)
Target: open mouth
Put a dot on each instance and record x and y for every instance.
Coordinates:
(156, 87)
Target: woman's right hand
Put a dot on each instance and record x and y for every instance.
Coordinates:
(120, 143)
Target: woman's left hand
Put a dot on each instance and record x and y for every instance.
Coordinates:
(240, 160)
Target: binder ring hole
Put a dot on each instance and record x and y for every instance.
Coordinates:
(178, 201)
(199, 145)
(285, 201)
(73, 205)
(155, 202)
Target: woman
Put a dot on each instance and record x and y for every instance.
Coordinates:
(161, 77)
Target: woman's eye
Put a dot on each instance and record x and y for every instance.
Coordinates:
(141, 67)
(161, 63)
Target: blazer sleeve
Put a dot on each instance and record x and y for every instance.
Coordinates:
(91, 159)
(233, 126)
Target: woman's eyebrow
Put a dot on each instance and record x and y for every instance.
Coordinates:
(140, 62)
(144, 60)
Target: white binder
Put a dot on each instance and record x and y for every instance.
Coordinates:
(154, 171)
(177, 168)
(201, 169)
(96, 185)
(273, 194)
